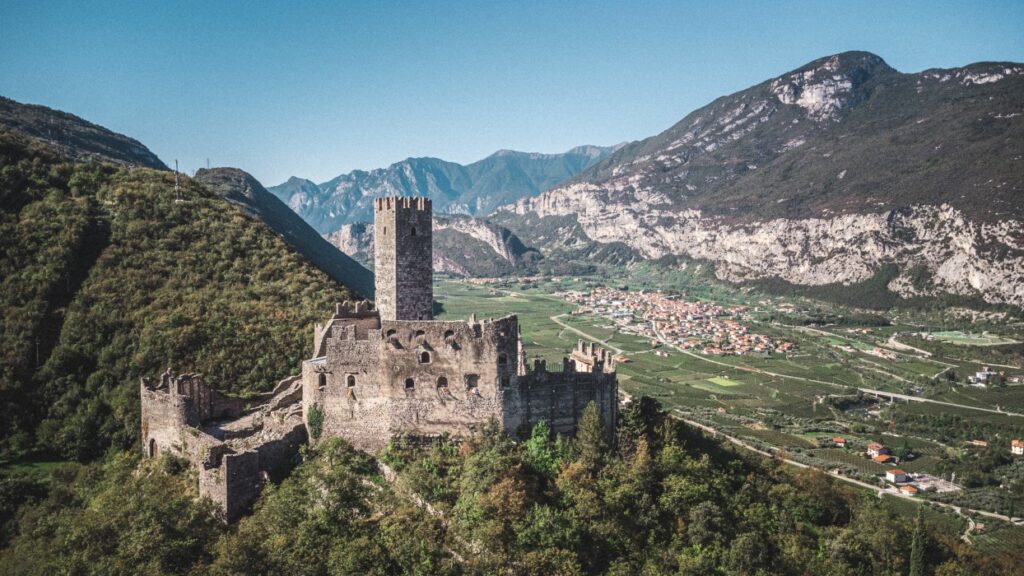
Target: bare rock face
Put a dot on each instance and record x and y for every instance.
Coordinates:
(820, 176)
(961, 256)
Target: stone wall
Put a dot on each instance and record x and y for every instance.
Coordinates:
(434, 378)
(559, 398)
(403, 254)
(232, 451)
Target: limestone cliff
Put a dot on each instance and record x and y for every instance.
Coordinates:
(823, 175)
(463, 246)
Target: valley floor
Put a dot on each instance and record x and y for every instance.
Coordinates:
(891, 384)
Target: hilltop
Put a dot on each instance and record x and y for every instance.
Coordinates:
(107, 274)
(74, 137)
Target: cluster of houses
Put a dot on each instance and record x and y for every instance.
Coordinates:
(700, 326)
(984, 378)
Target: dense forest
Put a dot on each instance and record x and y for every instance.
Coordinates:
(108, 274)
(661, 499)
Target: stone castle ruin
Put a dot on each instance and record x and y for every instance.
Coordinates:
(377, 373)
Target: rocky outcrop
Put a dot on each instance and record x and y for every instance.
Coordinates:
(960, 256)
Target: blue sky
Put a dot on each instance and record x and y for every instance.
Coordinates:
(323, 88)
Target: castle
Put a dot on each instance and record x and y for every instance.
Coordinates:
(377, 373)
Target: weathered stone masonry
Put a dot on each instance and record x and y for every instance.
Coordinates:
(377, 373)
(394, 371)
(232, 448)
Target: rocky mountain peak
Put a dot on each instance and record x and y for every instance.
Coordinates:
(828, 85)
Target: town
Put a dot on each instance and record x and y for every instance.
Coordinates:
(704, 327)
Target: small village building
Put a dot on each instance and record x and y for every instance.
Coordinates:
(909, 490)
(876, 449)
(839, 441)
(883, 458)
(897, 476)
(1017, 447)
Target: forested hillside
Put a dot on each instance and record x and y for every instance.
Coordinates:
(108, 274)
(664, 500)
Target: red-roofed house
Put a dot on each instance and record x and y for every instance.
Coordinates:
(897, 476)
(909, 490)
(1017, 447)
(876, 449)
(839, 441)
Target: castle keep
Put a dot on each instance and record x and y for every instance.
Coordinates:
(377, 373)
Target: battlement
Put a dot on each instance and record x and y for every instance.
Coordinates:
(358, 309)
(589, 357)
(417, 203)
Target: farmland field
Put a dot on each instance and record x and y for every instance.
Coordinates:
(970, 339)
(783, 400)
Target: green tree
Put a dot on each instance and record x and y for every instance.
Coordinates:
(591, 440)
(918, 545)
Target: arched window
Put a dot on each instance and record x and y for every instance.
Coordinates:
(410, 383)
(152, 447)
(442, 382)
(502, 359)
(505, 381)
(424, 357)
(413, 231)
(322, 380)
(389, 334)
(350, 381)
(385, 230)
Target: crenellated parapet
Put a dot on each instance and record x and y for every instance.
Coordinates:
(589, 357)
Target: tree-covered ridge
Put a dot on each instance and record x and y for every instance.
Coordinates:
(662, 500)
(109, 274)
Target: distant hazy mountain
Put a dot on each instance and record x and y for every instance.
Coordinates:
(843, 175)
(74, 137)
(473, 189)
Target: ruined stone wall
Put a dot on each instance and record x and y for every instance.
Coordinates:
(559, 398)
(403, 256)
(423, 378)
(170, 420)
(232, 455)
(233, 483)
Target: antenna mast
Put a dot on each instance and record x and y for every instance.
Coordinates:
(177, 190)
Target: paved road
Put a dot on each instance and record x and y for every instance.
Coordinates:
(556, 320)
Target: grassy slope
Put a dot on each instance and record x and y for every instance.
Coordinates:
(116, 279)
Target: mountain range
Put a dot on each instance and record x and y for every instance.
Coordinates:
(471, 189)
(839, 176)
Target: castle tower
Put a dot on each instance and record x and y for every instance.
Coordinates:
(403, 253)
